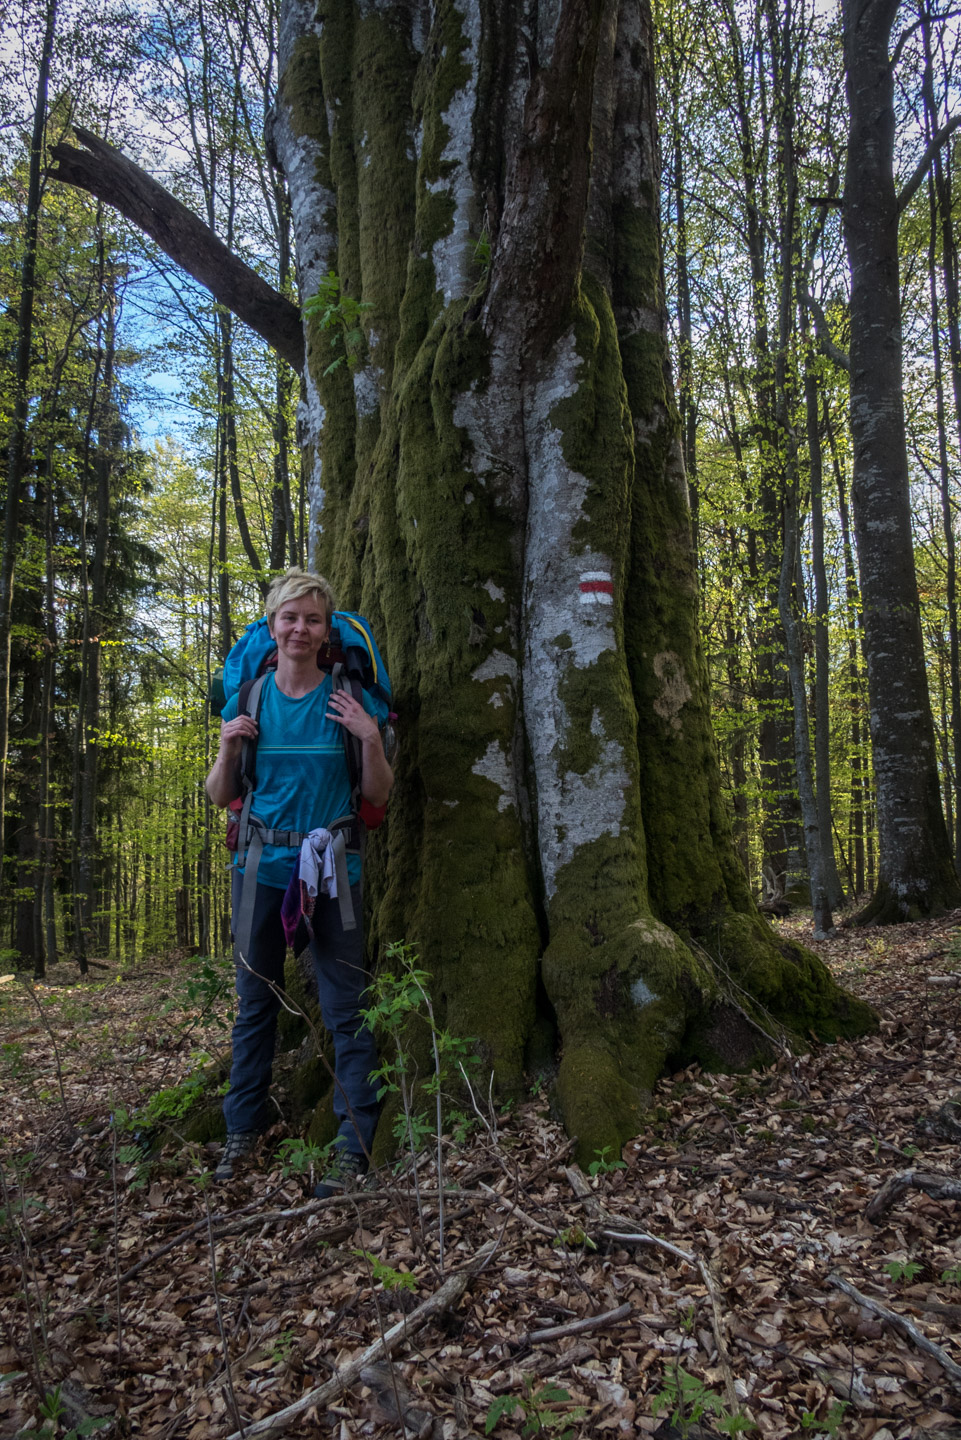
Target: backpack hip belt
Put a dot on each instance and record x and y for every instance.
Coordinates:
(254, 835)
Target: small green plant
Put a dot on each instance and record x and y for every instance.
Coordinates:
(339, 313)
(952, 1276)
(541, 1410)
(385, 1275)
(299, 1156)
(899, 1270)
(604, 1165)
(206, 991)
(482, 252)
(909, 1150)
(283, 1343)
(830, 1425)
(688, 1399)
(686, 1317)
(575, 1238)
(51, 1410)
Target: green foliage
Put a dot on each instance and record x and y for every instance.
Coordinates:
(399, 999)
(575, 1237)
(52, 1410)
(300, 1156)
(385, 1274)
(688, 1399)
(542, 1411)
(830, 1425)
(905, 1270)
(206, 982)
(339, 313)
(604, 1165)
(282, 1345)
(951, 1276)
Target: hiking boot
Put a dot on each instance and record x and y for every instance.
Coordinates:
(345, 1173)
(239, 1146)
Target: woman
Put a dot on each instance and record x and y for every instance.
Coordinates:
(302, 784)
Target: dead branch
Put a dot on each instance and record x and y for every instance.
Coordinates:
(623, 1230)
(103, 171)
(938, 1187)
(579, 1327)
(448, 1294)
(901, 1326)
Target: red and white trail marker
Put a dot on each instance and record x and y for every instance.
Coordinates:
(597, 588)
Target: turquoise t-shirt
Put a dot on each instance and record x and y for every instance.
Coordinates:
(302, 777)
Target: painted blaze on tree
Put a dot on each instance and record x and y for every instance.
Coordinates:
(498, 484)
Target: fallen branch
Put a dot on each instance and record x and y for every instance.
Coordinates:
(448, 1294)
(579, 1327)
(938, 1187)
(521, 1214)
(900, 1325)
(950, 982)
(622, 1230)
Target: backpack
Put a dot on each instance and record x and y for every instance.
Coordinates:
(351, 655)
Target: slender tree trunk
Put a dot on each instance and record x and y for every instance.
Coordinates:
(822, 662)
(917, 875)
(21, 401)
(943, 223)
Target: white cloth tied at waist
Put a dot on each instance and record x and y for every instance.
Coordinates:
(318, 866)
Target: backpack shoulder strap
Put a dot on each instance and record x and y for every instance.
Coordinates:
(353, 750)
(248, 703)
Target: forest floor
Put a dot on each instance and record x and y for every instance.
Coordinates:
(173, 1309)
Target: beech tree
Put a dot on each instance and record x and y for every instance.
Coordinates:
(916, 874)
(497, 482)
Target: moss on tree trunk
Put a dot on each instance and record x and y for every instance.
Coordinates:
(502, 492)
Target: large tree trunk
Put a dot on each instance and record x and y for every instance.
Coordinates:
(499, 485)
(916, 874)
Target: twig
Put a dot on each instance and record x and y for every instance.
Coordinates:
(578, 1327)
(44, 1021)
(521, 1215)
(938, 1187)
(448, 1294)
(116, 1239)
(256, 1218)
(900, 1325)
(229, 1385)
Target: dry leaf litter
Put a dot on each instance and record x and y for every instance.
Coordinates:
(575, 1322)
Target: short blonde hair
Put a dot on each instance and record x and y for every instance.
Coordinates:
(293, 585)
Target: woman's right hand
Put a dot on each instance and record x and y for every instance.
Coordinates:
(234, 732)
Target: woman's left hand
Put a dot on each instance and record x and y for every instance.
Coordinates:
(352, 715)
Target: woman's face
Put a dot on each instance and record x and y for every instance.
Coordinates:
(300, 627)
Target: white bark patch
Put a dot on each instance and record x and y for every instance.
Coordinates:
(452, 254)
(494, 766)
(314, 242)
(367, 390)
(494, 591)
(641, 994)
(562, 634)
(675, 691)
(496, 664)
(548, 15)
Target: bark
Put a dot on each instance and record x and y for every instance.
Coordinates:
(822, 664)
(500, 486)
(96, 629)
(17, 450)
(104, 172)
(916, 871)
